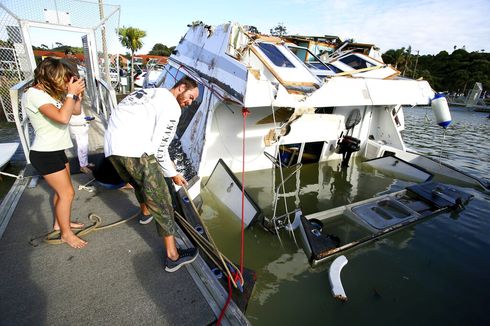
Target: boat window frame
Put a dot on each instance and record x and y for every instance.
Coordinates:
(273, 54)
(309, 63)
(363, 62)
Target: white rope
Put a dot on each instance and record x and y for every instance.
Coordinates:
(86, 186)
(442, 146)
(19, 177)
(276, 195)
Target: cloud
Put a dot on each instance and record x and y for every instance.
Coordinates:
(429, 26)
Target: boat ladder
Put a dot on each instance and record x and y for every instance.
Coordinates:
(284, 220)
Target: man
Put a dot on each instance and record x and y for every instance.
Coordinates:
(140, 130)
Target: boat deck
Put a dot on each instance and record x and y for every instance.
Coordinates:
(116, 279)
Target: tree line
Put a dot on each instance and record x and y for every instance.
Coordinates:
(454, 72)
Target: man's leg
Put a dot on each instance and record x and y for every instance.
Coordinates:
(124, 170)
(159, 203)
(145, 216)
(152, 190)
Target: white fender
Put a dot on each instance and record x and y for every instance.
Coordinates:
(334, 276)
(441, 111)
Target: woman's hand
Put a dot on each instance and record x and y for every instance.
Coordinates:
(75, 86)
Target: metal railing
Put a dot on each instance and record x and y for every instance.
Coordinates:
(20, 115)
(105, 103)
(22, 24)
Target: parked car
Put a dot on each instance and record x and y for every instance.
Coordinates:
(147, 79)
(139, 79)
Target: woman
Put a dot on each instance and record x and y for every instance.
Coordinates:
(50, 103)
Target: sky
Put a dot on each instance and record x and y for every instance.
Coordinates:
(428, 26)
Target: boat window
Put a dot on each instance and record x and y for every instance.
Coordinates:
(312, 152)
(356, 62)
(325, 66)
(324, 110)
(299, 52)
(275, 55)
(281, 115)
(288, 154)
(170, 77)
(311, 60)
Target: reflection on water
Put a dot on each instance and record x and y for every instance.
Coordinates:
(409, 271)
(466, 144)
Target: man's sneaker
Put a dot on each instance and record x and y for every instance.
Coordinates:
(186, 256)
(145, 219)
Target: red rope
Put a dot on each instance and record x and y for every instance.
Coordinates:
(221, 315)
(245, 112)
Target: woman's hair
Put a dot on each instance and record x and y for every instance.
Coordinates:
(52, 74)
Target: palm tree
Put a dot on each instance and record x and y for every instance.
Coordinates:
(399, 57)
(130, 37)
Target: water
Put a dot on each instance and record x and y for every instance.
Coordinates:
(436, 272)
(8, 133)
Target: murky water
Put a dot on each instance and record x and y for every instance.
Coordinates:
(434, 273)
(8, 133)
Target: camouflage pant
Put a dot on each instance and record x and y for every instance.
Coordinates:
(147, 178)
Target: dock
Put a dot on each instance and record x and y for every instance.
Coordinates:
(118, 278)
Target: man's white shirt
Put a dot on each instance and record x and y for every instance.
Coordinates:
(144, 122)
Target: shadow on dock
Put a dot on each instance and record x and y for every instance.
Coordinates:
(117, 279)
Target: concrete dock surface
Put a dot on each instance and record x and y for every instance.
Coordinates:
(117, 279)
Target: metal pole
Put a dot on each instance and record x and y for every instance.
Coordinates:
(416, 61)
(104, 44)
(28, 44)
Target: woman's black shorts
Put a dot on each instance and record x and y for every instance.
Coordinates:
(48, 162)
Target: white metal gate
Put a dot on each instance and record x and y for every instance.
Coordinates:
(96, 21)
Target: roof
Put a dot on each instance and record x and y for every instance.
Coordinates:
(56, 54)
(145, 57)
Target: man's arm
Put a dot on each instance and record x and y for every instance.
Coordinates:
(162, 155)
(168, 166)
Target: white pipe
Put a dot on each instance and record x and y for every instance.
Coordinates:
(334, 276)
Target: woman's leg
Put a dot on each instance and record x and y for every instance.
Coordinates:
(61, 183)
(73, 225)
(56, 226)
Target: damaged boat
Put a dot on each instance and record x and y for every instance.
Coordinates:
(262, 106)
